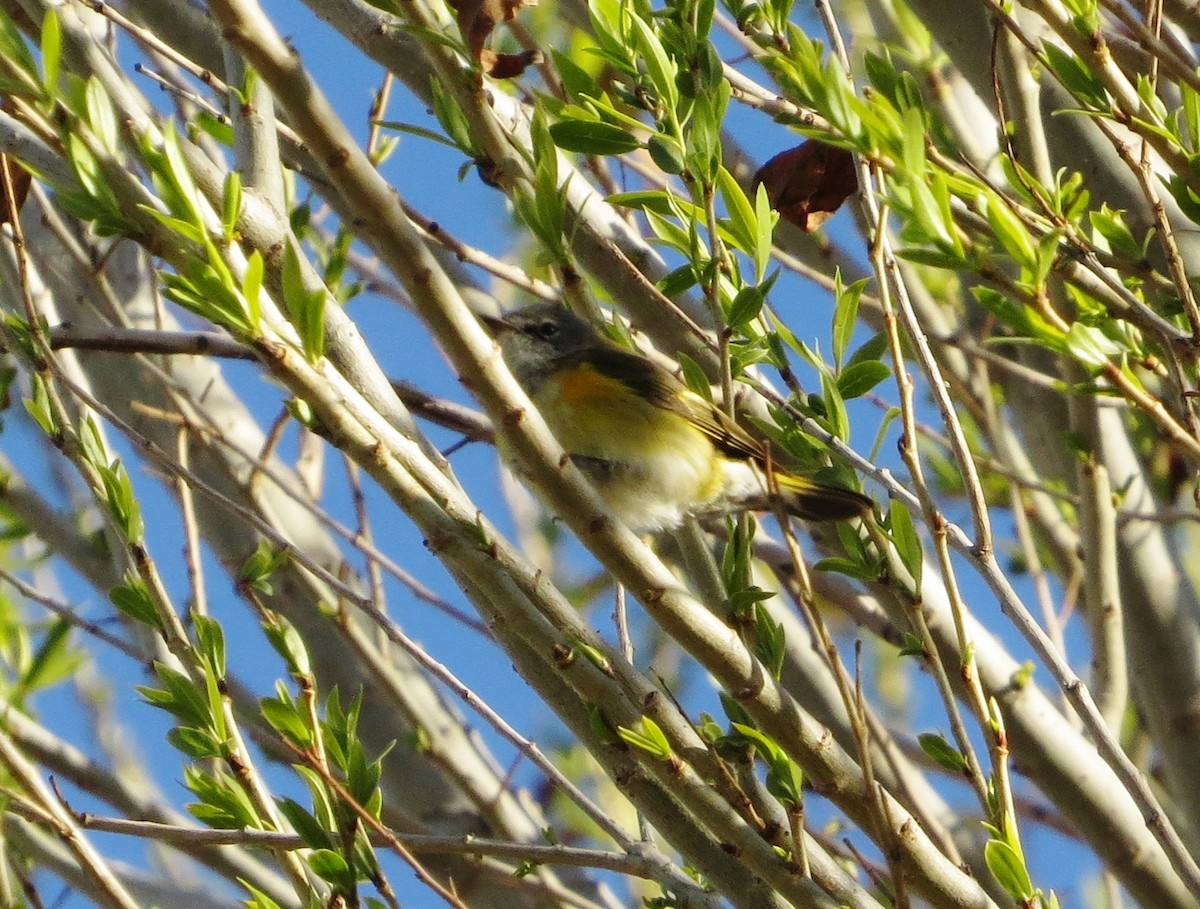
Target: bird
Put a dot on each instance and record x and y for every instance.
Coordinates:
(655, 451)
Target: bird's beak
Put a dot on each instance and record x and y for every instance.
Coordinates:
(495, 324)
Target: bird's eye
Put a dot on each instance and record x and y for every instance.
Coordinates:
(546, 330)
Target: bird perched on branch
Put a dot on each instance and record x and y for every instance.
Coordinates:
(656, 451)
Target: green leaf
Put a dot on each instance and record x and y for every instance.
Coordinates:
(906, 541)
(198, 744)
(765, 744)
(657, 201)
(650, 738)
(223, 803)
(770, 641)
(576, 80)
(835, 407)
(1109, 226)
(678, 282)
(743, 220)
(1008, 868)
(306, 307)
(859, 378)
(670, 233)
(745, 308)
(307, 827)
(53, 660)
(913, 151)
(319, 790)
(1182, 193)
(705, 10)
(210, 638)
(133, 599)
(765, 219)
(913, 646)
(258, 899)
(231, 204)
(1022, 319)
(871, 350)
(742, 603)
(1190, 114)
(185, 229)
(413, 130)
(51, 51)
(734, 711)
(735, 559)
(1091, 346)
(1011, 233)
(937, 258)
(1153, 104)
(785, 779)
(252, 289)
(1078, 79)
(289, 644)
(14, 49)
(842, 107)
(184, 198)
(1085, 16)
(332, 867)
(102, 117)
(38, 406)
(695, 378)
(546, 160)
(942, 752)
(667, 153)
(216, 127)
(362, 776)
(262, 563)
(122, 505)
(452, 119)
(592, 137)
(703, 138)
(659, 66)
(927, 212)
(601, 728)
(845, 314)
(92, 444)
(178, 696)
(1047, 255)
(87, 169)
(183, 290)
(285, 719)
(848, 567)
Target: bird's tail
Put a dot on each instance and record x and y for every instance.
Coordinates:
(813, 500)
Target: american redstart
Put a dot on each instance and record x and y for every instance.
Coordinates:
(655, 450)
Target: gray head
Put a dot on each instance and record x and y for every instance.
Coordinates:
(535, 338)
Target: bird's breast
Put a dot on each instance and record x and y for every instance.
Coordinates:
(651, 465)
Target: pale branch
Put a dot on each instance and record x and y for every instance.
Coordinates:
(447, 414)
(68, 763)
(110, 890)
(72, 615)
(624, 862)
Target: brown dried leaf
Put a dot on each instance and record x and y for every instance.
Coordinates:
(508, 66)
(478, 18)
(808, 183)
